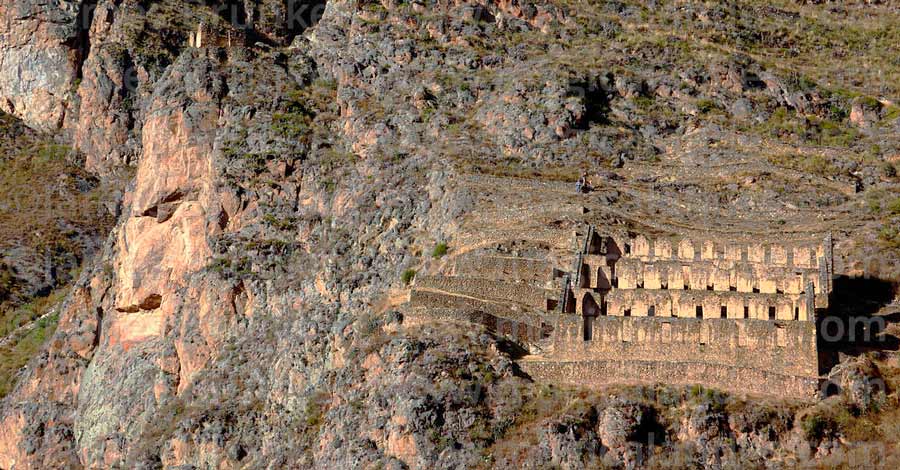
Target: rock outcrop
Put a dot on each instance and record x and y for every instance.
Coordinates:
(246, 311)
(41, 53)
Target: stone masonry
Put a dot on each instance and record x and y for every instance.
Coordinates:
(740, 317)
(631, 309)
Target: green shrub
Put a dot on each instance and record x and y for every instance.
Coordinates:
(707, 106)
(7, 281)
(439, 250)
(817, 426)
(869, 102)
(891, 113)
(875, 200)
(812, 164)
(890, 236)
(644, 102)
(893, 207)
(408, 276)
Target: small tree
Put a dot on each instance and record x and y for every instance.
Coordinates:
(439, 250)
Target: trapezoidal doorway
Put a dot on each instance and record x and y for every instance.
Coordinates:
(589, 311)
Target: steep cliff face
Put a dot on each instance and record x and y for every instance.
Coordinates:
(243, 312)
(40, 59)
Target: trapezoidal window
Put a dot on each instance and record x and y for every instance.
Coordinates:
(651, 311)
(771, 313)
(746, 311)
(627, 312)
(589, 307)
(723, 312)
(699, 311)
(602, 281)
(796, 313)
(585, 278)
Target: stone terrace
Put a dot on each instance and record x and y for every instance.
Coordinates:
(597, 297)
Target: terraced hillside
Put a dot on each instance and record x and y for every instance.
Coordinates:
(515, 253)
(342, 233)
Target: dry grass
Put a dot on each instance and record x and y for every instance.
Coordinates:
(47, 203)
(23, 344)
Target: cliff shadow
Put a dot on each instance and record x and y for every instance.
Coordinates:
(855, 322)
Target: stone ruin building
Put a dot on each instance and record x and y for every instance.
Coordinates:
(734, 316)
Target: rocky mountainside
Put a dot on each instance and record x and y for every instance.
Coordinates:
(251, 205)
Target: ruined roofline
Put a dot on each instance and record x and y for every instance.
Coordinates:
(799, 254)
(733, 268)
(723, 264)
(804, 256)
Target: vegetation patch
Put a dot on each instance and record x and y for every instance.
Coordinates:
(50, 209)
(23, 332)
(814, 164)
(439, 250)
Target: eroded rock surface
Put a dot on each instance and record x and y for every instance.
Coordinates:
(246, 310)
(40, 59)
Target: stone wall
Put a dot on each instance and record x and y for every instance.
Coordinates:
(524, 332)
(787, 348)
(489, 289)
(501, 268)
(739, 380)
(733, 316)
(720, 275)
(773, 268)
(429, 300)
(695, 304)
(800, 254)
